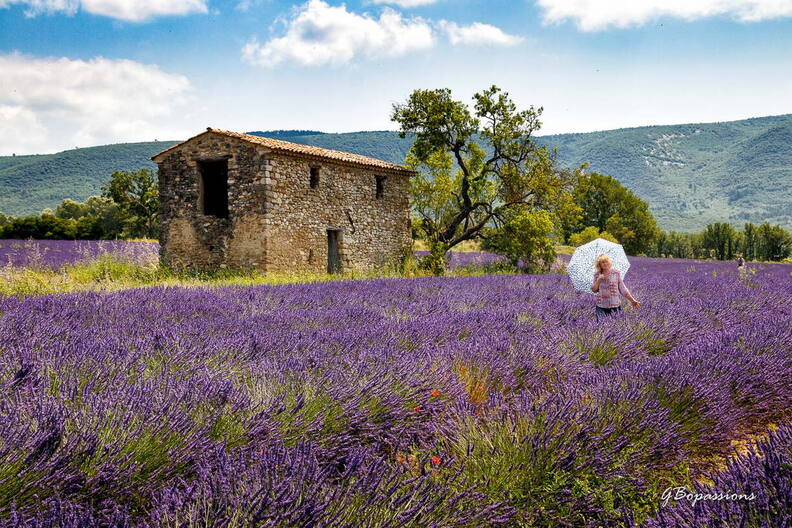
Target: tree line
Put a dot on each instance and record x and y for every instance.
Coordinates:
(127, 208)
(723, 242)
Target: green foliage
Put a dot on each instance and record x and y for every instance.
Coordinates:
(695, 174)
(722, 241)
(774, 243)
(49, 226)
(720, 238)
(589, 234)
(137, 197)
(475, 166)
(607, 205)
(677, 245)
(750, 247)
(28, 184)
(524, 239)
(127, 210)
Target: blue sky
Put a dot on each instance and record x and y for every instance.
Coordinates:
(89, 72)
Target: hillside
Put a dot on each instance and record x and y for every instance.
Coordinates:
(28, 184)
(694, 174)
(690, 174)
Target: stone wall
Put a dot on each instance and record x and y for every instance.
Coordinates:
(277, 222)
(373, 232)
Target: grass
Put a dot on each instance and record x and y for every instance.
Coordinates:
(111, 273)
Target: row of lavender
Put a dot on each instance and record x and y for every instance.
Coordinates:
(434, 402)
(55, 254)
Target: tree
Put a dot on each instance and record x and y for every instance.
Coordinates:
(136, 194)
(775, 243)
(4, 220)
(101, 217)
(475, 168)
(589, 234)
(607, 205)
(70, 209)
(45, 226)
(524, 239)
(720, 237)
(750, 246)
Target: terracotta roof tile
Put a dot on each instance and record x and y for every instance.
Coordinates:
(286, 146)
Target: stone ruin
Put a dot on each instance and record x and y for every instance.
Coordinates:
(231, 200)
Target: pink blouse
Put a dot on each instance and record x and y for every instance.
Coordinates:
(611, 289)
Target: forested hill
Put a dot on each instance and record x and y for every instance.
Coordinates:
(29, 184)
(690, 174)
(694, 174)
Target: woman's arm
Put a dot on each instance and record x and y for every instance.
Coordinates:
(597, 278)
(624, 291)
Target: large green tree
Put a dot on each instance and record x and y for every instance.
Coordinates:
(476, 167)
(137, 196)
(524, 238)
(609, 206)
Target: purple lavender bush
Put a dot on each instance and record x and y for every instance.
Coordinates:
(432, 402)
(468, 259)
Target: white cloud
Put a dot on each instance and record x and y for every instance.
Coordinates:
(20, 130)
(477, 33)
(594, 15)
(49, 104)
(247, 5)
(321, 34)
(405, 3)
(131, 10)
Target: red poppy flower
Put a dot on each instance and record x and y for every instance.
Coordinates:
(436, 460)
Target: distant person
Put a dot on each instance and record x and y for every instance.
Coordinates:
(609, 287)
(740, 263)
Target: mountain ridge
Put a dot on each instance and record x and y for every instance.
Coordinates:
(691, 174)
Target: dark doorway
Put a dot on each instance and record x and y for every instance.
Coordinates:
(214, 188)
(333, 256)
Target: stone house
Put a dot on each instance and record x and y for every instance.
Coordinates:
(244, 201)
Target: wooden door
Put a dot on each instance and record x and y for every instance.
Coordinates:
(333, 255)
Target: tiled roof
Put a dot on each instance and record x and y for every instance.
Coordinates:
(296, 148)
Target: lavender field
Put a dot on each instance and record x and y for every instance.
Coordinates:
(430, 402)
(54, 254)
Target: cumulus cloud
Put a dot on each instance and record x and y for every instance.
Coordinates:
(130, 10)
(406, 3)
(322, 34)
(319, 34)
(20, 130)
(477, 34)
(595, 15)
(49, 104)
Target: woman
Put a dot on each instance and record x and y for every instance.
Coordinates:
(609, 287)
